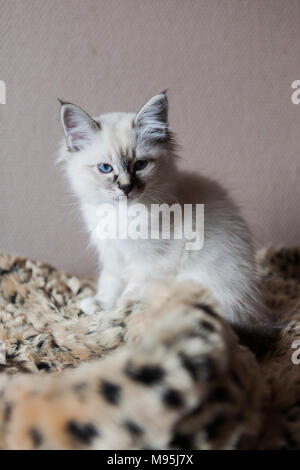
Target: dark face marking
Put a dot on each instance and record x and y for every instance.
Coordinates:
(125, 162)
(84, 432)
(130, 180)
(111, 392)
(148, 375)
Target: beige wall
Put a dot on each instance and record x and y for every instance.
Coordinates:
(228, 66)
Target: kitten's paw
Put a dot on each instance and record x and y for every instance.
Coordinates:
(90, 305)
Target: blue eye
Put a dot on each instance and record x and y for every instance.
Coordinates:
(140, 165)
(104, 167)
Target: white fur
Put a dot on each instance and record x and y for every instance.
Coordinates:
(226, 263)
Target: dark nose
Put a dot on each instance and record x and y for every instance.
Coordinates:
(126, 188)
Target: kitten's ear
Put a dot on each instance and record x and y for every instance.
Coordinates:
(80, 129)
(152, 120)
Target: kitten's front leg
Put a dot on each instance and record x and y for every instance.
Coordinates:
(134, 289)
(109, 290)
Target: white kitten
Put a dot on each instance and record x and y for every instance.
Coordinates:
(128, 154)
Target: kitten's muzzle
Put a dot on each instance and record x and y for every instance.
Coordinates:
(126, 188)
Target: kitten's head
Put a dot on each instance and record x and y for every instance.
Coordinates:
(119, 154)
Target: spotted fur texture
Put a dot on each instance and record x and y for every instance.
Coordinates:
(163, 371)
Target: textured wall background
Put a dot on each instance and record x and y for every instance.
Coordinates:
(228, 66)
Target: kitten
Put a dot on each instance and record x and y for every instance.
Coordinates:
(134, 155)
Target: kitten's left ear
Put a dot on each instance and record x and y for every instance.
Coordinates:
(80, 129)
(152, 120)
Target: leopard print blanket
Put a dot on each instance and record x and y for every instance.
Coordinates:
(162, 371)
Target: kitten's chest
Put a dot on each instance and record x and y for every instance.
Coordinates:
(119, 227)
(140, 258)
(126, 251)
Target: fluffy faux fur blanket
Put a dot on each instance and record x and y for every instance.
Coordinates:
(163, 371)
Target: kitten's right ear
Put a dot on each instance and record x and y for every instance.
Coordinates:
(80, 129)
